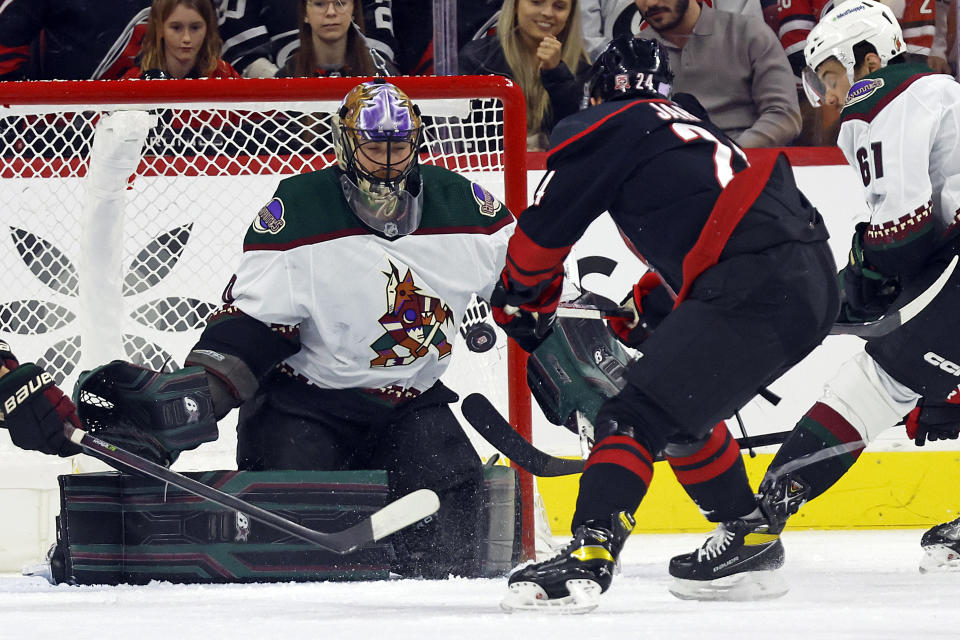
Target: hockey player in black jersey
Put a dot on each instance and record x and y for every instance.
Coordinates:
(755, 284)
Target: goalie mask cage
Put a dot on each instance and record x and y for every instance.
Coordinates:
(125, 205)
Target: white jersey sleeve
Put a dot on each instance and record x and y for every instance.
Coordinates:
(905, 150)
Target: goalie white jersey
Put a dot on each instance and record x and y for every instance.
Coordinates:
(372, 312)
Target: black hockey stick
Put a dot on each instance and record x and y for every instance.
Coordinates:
(411, 508)
(888, 322)
(495, 429)
(881, 326)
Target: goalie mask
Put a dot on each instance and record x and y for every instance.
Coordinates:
(629, 67)
(377, 133)
(845, 26)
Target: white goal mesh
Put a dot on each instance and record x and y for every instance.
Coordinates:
(125, 205)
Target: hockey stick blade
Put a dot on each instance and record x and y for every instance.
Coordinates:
(398, 514)
(887, 323)
(590, 312)
(495, 429)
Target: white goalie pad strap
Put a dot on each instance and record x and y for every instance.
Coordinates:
(867, 397)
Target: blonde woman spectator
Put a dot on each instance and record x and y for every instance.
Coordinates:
(182, 41)
(539, 45)
(332, 42)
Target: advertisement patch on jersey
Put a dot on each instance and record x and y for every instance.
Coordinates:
(488, 204)
(270, 218)
(863, 89)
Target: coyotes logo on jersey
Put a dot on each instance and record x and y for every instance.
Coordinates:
(412, 323)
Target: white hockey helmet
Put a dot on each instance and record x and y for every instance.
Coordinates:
(847, 24)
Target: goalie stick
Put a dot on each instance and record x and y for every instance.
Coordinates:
(881, 326)
(411, 508)
(495, 429)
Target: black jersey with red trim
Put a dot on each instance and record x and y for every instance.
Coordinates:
(75, 39)
(659, 168)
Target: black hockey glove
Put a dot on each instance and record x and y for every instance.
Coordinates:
(931, 421)
(867, 292)
(33, 409)
(152, 414)
(650, 302)
(528, 324)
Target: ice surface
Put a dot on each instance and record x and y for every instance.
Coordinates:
(844, 584)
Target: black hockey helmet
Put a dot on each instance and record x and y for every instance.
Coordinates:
(629, 67)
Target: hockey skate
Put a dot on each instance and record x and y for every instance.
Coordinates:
(52, 569)
(737, 562)
(572, 580)
(941, 547)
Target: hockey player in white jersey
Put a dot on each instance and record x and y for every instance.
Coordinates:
(901, 132)
(341, 318)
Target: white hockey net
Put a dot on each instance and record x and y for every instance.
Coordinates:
(126, 204)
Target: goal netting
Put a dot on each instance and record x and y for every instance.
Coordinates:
(125, 205)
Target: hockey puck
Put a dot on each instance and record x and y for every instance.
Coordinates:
(480, 337)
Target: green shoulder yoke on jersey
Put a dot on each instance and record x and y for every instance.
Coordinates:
(310, 208)
(881, 86)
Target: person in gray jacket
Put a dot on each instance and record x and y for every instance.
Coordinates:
(604, 20)
(733, 64)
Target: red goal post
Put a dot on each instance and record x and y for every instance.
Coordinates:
(109, 253)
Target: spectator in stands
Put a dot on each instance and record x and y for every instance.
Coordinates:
(182, 41)
(539, 45)
(69, 39)
(332, 43)
(604, 20)
(260, 36)
(735, 67)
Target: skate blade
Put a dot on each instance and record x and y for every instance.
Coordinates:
(529, 596)
(939, 558)
(749, 585)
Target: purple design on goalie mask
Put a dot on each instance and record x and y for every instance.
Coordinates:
(270, 218)
(385, 115)
(487, 203)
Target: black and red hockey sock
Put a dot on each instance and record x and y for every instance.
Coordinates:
(712, 473)
(614, 479)
(824, 446)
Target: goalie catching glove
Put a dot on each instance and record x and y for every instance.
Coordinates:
(33, 409)
(154, 415)
(573, 372)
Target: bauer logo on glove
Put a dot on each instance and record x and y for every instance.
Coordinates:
(23, 393)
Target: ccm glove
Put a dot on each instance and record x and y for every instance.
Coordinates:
(931, 421)
(33, 409)
(649, 303)
(868, 293)
(527, 324)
